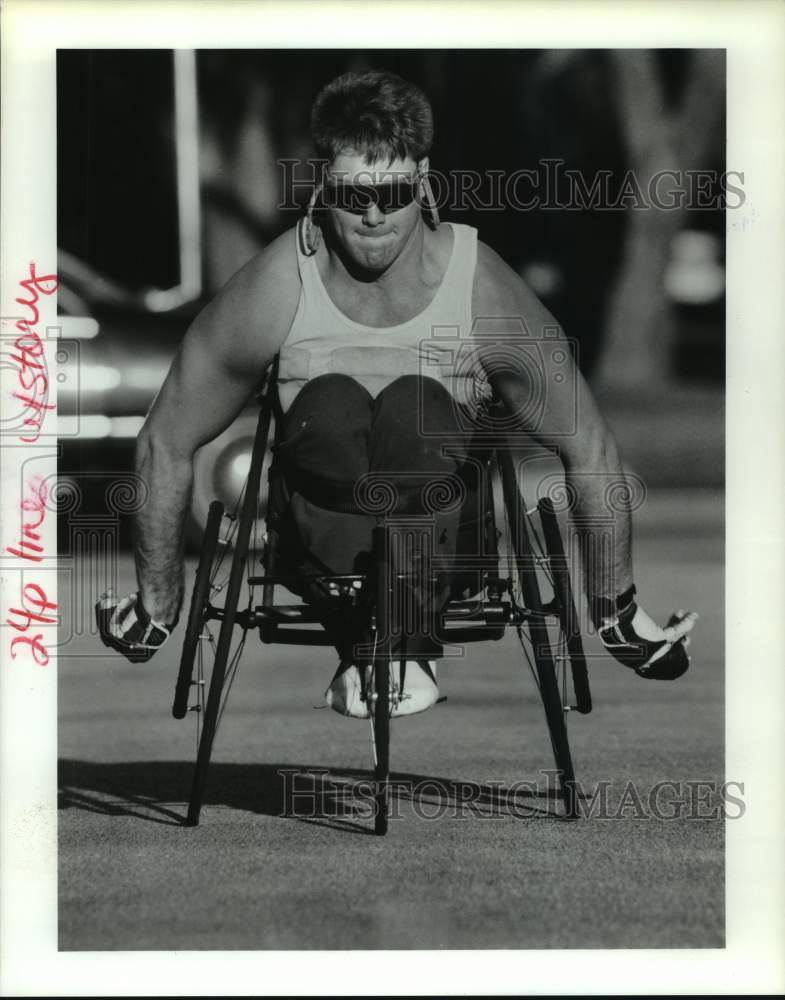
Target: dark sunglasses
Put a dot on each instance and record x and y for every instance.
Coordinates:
(391, 196)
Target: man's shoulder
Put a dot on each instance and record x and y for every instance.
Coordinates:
(267, 287)
(496, 284)
(252, 314)
(500, 293)
(274, 267)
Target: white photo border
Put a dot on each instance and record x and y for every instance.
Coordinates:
(753, 35)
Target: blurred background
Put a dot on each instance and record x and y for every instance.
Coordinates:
(169, 180)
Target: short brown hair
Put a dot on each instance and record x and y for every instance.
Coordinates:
(374, 113)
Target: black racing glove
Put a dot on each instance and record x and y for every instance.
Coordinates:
(634, 639)
(127, 627)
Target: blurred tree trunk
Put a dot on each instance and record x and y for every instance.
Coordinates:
(639, 338)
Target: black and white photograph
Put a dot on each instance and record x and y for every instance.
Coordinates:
(382, 532)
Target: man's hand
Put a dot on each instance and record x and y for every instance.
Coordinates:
(127, 627)
(653, 652)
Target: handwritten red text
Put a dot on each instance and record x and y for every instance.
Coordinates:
(35, 610)
(30, 358)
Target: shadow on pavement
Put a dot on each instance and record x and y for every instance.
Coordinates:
(156, 792)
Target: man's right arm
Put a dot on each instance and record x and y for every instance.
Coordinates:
(217, 368)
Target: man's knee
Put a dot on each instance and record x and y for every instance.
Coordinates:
(419, 402)
(333, 392)
(414, 389)
(326, 428)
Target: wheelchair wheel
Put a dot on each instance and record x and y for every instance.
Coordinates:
(562, 586)
(548, 654)
(381, 742)
(380, 700)
(200, 644)
(200, 598)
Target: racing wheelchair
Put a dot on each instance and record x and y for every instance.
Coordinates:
(228, 587)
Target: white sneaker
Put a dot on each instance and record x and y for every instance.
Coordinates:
(419, 693)
(344, 693)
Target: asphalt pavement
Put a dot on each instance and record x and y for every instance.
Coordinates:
(477, 855)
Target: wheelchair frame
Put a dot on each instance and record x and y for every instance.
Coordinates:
(461, 621)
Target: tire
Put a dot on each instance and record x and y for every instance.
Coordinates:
(223, 650)
(570, 623)
(381, 681)
(381, 738)
(200, 598)
(552, 698)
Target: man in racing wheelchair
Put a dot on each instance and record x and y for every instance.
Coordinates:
(349, 301)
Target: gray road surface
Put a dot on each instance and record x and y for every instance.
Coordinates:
(472, 862)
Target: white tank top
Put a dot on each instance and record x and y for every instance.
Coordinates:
(434, 343)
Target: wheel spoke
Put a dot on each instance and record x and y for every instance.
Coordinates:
(231, 673)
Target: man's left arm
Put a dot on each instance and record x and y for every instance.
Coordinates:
(528, 362)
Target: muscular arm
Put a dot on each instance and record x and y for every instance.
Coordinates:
(527, 359)
(220, 362)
